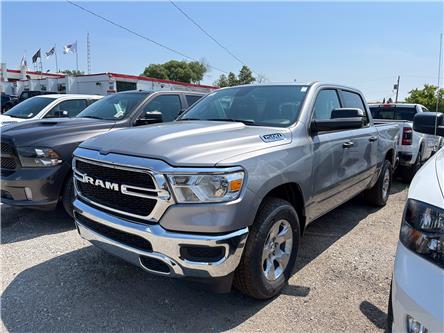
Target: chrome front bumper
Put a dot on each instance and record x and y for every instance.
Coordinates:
(165, 244)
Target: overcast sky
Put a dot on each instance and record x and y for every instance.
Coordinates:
(365, 45)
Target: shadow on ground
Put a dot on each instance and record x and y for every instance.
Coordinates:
(19, 224)
(89, 290)
(374, 314)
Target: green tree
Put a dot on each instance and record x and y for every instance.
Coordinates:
(246, 75)
(182, 71)
(72, 72)
(427, 97)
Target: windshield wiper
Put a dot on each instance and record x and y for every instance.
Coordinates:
(92, 117)
(244, 121)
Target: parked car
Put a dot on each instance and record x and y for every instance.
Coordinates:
(414, 148)
(24, 95)
(48, 106)
(227, 189)
(36, 155)
(6, 100)
(416, 298)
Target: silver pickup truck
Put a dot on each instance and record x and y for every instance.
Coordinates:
(224, 193)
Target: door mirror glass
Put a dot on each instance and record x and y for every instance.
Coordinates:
(429, 123)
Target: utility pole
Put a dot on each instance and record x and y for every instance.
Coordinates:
(439, 72)
(397, 89)
(88, 52)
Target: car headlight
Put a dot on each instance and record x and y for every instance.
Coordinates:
(194, 188)
(36, 157)
(422, 230)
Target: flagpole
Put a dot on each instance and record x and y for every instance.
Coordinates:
(77, 58)
(55, 53)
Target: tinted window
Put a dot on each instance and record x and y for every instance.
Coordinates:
(113, 107)
(191, 99)
(353, 100)
(392, 112)
(72, 107)
(326, 101)
(30, 107)
(255, 105)
(168, 105)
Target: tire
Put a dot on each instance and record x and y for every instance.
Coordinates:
(407, 173)
(68, 196)
(274, 217)
(379, 193)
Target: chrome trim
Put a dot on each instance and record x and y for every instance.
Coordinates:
(164, 198)
(165, 244)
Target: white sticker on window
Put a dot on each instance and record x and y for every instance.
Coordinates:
(303, 89)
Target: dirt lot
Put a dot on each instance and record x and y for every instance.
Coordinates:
(53, 281)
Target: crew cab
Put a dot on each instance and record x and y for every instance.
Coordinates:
(36, 155)
(414, 148)
(48, 106)
(416, 296)
(227, 190)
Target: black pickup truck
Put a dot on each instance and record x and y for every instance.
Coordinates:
(36, 156)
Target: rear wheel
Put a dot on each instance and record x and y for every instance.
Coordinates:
(270, 251)
(379, 193)
(68, 197)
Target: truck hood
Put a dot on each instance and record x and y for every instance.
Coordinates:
(50, 132)
(189, 143)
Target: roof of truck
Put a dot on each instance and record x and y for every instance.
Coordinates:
(69, 96)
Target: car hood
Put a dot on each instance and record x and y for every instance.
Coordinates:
(52, 132)
(189, 143)
(6, 120)
(439, 168)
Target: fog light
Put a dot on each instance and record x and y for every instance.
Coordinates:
(28, 193)
(414, 326)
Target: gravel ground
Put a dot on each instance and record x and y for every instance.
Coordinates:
(53, 281)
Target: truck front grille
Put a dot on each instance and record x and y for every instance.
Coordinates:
(8, 157)
(8, 163)
(114, 198)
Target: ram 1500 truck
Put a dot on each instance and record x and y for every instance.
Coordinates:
(36, 155)
(226, 191)
(414, 148)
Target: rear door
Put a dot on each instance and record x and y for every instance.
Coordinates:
(360, 160)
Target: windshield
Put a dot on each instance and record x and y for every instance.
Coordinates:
(30, 107)
(393, 112)
(277, 106)
(113, 107)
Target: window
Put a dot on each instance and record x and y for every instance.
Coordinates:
(30, 107)
(114, 107)
(276, 106)
(354, 100)
(393, 112)
(73, 107)
(326, 101)
(168, 105)
(191, 99)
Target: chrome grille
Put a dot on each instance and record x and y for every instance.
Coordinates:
(119, 189)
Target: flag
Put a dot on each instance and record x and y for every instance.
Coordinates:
(50, 52)
(70, 48)
(23, 62)
(36, 56)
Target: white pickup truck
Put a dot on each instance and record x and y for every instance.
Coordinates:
(414, 148)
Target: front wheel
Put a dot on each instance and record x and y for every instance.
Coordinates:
(379, 193)
(270, 252)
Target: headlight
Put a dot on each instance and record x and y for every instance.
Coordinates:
(33, 157)
(207, 187)
(422, 230)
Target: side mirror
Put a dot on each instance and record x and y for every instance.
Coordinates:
(341, 119)
(150, 117)
(61, 114)
(429, 123)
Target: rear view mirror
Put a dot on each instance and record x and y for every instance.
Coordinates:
(61, 114)
(429, 123)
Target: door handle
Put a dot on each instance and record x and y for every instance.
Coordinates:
(373, 138)
(348, 144)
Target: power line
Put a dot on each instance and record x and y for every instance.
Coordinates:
(139, 35)
(208, 34)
